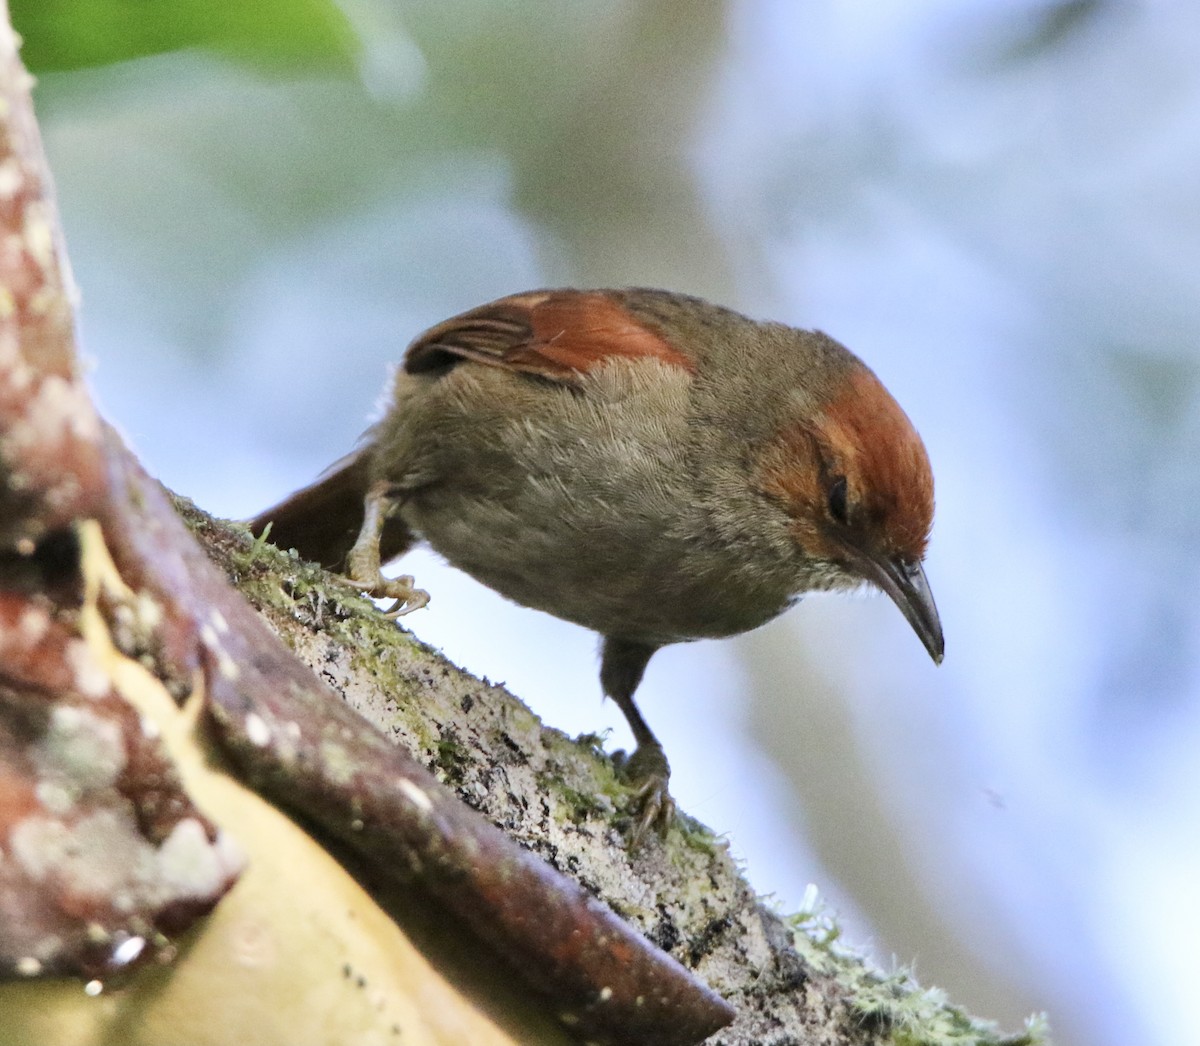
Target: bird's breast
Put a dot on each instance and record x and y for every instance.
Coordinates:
(593, 506)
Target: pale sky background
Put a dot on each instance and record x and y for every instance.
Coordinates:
(996, 204)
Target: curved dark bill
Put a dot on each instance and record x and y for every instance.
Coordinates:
(908, 588)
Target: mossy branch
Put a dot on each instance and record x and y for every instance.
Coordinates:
(790, 978)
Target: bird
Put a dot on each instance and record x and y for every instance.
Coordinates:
(644, 463)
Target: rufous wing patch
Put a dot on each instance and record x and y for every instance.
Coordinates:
(558, 335)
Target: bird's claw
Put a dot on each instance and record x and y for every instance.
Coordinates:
(648, 773)
(401, 589)
(658, 811)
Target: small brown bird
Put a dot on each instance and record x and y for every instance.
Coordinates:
(643, 463)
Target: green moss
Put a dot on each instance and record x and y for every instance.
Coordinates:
(696, 835)
(577, 805)
(923, 1017)
(895, 1004)
(592, 743)
(453, 758)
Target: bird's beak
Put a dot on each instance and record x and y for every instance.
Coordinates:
(905, 583)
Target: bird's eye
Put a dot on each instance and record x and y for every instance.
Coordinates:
(837, 500)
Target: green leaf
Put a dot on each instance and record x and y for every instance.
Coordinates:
(273, 34)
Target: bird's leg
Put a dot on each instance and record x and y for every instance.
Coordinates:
(622, 663)
(363, 561)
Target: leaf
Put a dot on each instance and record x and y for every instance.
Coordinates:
(275, 35)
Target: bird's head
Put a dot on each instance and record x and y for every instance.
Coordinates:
(856, 483)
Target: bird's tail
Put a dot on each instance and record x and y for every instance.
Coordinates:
(322, 521)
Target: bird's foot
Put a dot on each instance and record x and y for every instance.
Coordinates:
(407, 597)
(647, 773)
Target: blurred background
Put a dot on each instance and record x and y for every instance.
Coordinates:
(994, 202)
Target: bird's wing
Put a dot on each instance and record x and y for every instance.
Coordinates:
(558, 335)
